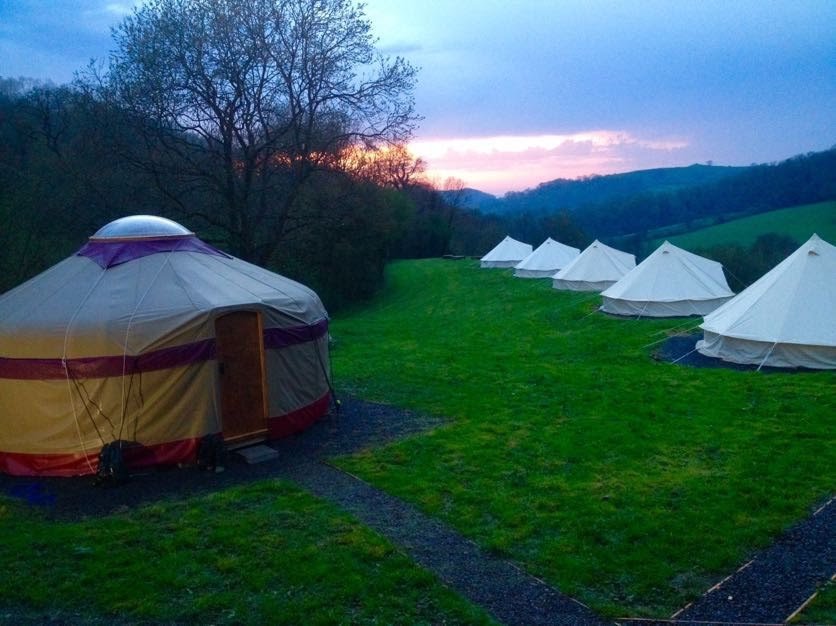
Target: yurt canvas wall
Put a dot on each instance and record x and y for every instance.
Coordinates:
(151, 337)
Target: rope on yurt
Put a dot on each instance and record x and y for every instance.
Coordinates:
(742, 284)
(122, 422)
(327, 372)
(580, 301)
(652, 290)
(681, 324)
(79, 387)
(67, 371)
(141, 404)
(124, 409)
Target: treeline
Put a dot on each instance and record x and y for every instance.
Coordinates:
(279, 136)
(572, 194)
(273, 129)
(65, 172)
(803, 179)
(745, 264)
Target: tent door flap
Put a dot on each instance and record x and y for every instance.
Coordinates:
(242, 376)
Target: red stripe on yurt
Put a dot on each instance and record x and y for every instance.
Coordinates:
(105, 366)
(298, 420)
(165, 358)
(136, 456)
(21, 464)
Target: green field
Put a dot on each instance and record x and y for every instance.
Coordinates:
(797, 222)
(629, 483)
(267, 553)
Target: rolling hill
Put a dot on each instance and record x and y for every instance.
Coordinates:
(797, 222)
(569, 194)
(636, 208)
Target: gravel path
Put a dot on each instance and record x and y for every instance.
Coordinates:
(772, 586)
(504, 590)
(778, 580)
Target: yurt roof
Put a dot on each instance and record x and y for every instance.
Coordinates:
(126, 296)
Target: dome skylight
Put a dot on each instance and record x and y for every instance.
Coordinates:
(141, 227)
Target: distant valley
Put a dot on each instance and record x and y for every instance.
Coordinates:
(648, 204)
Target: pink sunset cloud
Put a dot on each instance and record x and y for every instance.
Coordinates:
(515, 162)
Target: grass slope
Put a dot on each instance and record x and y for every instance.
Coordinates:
(798, 222)
(629, 483)
(262, 554)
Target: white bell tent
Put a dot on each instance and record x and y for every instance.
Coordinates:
(507, 253)
(548, 258)
(671, 282)
(787, 318)
(595, 269)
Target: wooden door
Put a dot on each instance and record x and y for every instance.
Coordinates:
(242, 376)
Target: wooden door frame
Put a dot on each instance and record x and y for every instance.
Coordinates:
(254, 428)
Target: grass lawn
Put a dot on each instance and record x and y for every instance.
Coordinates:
(262, 554)
(628, 483)
(798, 222)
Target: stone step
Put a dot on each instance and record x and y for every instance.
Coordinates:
(257, 454)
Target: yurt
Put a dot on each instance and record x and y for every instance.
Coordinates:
(785, 319)
(150, 340)
(595, 269)
(548, 258)
(671, 282)
(507, 253)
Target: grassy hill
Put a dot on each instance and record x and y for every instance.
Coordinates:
(631, 484)
(797, 222)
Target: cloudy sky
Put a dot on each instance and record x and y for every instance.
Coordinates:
(517, 93)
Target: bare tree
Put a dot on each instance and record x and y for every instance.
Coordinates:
(391, 166)
(240, 103)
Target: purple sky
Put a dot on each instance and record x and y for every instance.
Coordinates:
(517, 93)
